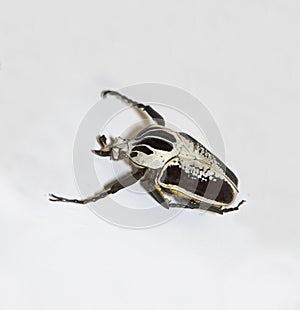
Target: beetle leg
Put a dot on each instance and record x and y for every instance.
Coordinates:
(213, 209)
(115, 187)
(234, 208)
(194, 205)
(148, 109)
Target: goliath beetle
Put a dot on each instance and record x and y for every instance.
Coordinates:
(168, 163)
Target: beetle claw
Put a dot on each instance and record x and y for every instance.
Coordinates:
(62, 199)
(235, 208)
(55, 198)
(104, 93)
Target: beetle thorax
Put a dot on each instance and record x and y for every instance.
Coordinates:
(153, 147)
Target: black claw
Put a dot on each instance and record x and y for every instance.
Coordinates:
(243, 201)
(61, 199)
(104, 93)
(235, 208)
(55, 198)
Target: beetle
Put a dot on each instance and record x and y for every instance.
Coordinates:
(168, 163)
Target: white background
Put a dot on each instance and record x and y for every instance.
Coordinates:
(241, 59)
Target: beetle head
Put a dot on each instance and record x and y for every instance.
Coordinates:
(119, 148)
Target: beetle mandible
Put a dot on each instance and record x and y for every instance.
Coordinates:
(168, 163)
